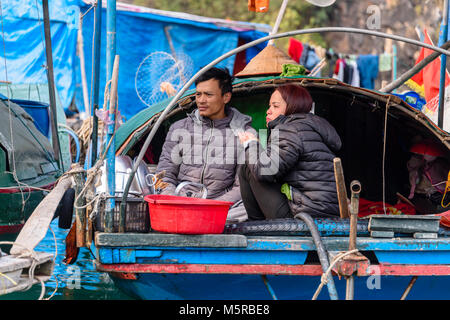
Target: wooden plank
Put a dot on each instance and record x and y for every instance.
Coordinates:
(423, 235)
(382, 234)
(170, 240)
(340, 188)
(37, 225)
(301, 270)
(404, 224)
(280, 242)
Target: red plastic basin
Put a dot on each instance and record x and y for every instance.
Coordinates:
(185, 215)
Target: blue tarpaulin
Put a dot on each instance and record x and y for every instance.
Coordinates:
(140, 31)
(24, 45)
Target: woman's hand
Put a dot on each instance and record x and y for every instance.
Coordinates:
(246, 136)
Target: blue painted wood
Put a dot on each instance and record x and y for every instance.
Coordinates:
(413, 257)
(251, 287)
(108, 256)
(283, 250)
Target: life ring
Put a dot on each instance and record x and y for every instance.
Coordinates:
(65, 209)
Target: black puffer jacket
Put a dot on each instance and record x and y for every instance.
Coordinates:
(300, 152)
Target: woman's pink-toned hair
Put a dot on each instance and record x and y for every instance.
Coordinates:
(297, 98)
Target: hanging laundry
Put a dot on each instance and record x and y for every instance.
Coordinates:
(348, 73)
(355, 75)
(339, 70)
(295, 49)
(385, 62)
(258, 5)
(309, 58)
(332, 59)
(368, 70)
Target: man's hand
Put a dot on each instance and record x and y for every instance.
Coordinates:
(158, 183)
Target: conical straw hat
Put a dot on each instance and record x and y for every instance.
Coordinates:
(268, 62)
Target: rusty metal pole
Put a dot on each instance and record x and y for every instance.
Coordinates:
(355, 188)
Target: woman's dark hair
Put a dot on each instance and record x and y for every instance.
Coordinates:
(297, 98)
(220, 74)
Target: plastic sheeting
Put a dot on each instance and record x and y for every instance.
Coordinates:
(142, 33)
(24, 44)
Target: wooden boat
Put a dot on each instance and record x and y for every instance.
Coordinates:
(279, 259)
(380, 257)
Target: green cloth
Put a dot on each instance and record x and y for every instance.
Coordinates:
(385, 62)
(290, 70)
(286, 189)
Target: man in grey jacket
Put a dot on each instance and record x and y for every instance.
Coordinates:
(204, 147)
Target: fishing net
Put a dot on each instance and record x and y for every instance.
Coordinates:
(161, 75)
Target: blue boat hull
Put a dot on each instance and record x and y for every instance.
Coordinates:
(252, 287)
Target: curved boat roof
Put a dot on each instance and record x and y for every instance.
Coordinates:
(138, 126)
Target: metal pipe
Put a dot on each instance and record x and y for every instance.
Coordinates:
(110, 160)
(96, 81)
(51, 86)
(350, 289)
(269, 287)
(279, 18)
(355, 188)
(394, 63)
(321, 252)
(442, 39)
(409, 287)
(242, 48)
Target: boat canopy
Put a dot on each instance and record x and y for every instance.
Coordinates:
(357, 114)
(28, 153)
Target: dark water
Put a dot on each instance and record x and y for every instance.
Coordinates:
(79, 281)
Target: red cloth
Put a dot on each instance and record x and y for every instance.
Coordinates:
(295, 49)
(429, 76)
(367, 208)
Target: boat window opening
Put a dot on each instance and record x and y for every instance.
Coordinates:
(359, 119)
(4, 164)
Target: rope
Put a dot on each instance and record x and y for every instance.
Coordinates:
(9, 108)
(323, 279)
(384, 154)
(31, 276)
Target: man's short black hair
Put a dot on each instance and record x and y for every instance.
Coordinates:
(220, 74)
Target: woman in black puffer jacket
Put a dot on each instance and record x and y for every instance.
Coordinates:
(295, 173)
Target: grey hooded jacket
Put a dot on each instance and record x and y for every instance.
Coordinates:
(300, 152)
(205, 151)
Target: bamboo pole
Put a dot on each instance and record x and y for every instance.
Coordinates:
(442, 39)
(82, 65)
(51, 86)
(80, 211)
(96, 82)
(111, 159)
